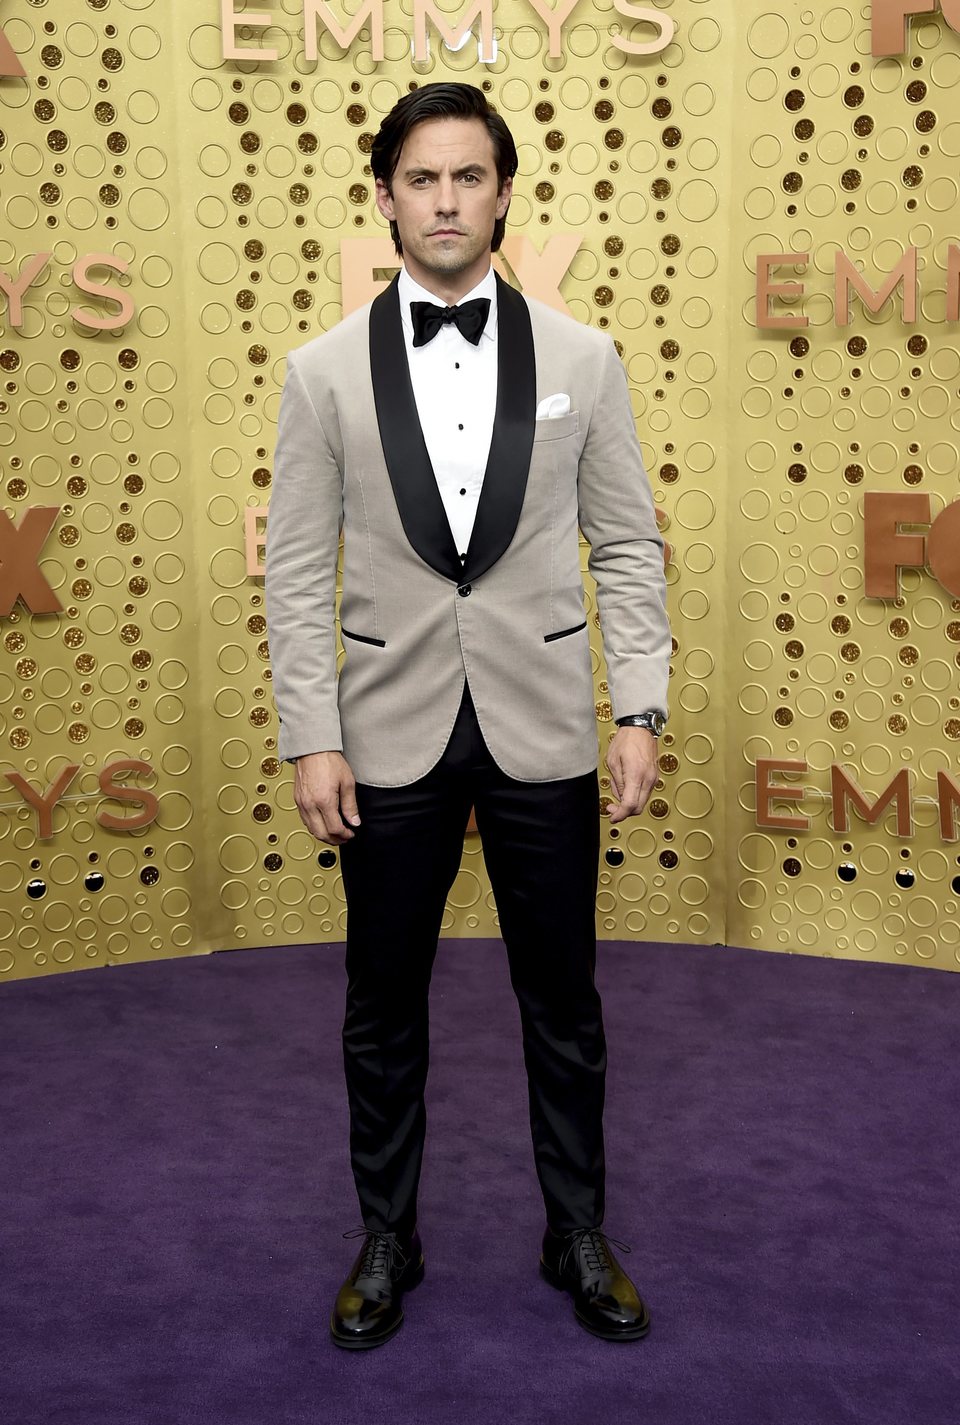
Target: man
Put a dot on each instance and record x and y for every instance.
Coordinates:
(457, 433)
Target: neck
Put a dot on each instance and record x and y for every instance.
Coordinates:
(449, 287)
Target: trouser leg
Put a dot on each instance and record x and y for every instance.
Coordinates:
(397, 872)
(541, 845)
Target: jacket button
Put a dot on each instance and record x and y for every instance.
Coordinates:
(464, 590)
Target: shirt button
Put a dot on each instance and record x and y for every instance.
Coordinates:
(459, 427)
(463, 492)
(456, 365)
(464, 590)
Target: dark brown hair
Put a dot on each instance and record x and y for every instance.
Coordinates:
(442, 101)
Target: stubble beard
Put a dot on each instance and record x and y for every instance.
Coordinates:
(449, 258)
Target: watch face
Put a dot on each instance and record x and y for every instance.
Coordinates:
(659, 722)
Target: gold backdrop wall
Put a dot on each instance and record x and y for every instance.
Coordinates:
(226, 188)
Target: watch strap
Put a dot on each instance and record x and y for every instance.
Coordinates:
(653, 721)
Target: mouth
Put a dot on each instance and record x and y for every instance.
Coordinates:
(446, 232)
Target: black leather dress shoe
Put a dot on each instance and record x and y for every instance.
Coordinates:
(368, 1308)
(605, 1300)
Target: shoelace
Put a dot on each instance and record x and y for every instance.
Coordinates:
(594, 1245)
(382, 1252)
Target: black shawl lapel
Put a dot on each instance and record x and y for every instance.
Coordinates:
(508, 464)
(415, 489)
(422, 514)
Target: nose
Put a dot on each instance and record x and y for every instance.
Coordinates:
(445, 196)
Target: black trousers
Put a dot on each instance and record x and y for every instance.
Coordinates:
(541, 843)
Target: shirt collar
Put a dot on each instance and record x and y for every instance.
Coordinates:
(411, 291)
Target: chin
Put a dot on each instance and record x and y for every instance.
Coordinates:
(446, 263)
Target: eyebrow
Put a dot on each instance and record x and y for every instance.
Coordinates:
(422, 169)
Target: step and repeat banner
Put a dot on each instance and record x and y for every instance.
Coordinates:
(758, 202)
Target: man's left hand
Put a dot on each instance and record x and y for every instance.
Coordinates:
(632, 763)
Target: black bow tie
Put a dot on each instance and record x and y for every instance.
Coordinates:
(470, 318)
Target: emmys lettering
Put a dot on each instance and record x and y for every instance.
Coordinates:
(846, 275)
(844, 793)
(889, 28)
(16, 287)
(44, 803)
(453, 31)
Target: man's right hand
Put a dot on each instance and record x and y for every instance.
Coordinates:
(325, 793)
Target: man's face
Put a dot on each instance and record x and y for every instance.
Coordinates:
(445, 199)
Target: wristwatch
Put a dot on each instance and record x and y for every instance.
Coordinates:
(653, 721)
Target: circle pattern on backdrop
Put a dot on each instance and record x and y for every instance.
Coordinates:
(157, 443)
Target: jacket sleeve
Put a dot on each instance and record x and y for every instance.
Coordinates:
(304, 519)
(617, 517)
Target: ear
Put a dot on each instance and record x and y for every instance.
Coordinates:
(503, 201)
(384, 200)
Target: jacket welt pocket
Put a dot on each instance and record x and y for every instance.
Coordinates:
(362, 638)
(564, 632)
(556, 427)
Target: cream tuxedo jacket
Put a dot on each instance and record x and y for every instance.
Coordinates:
(414, 619)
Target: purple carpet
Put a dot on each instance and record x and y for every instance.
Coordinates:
(782, 1152)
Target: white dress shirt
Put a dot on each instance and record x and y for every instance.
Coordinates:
(455, 388)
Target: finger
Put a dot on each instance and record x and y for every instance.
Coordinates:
(645, 791)
(334, 829)
(616, 778)
(349, 811)
(314, 824)
(628, 804)
(317, 827)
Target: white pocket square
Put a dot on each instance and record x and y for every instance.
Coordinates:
(552, 406)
